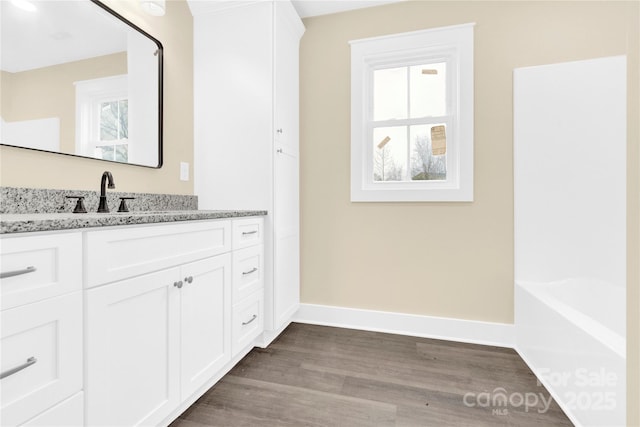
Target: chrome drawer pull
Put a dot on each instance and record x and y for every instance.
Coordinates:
(253, 270)
(244, 233)
(29, 269)
(255, 316)
(30, 361)
(178, 284)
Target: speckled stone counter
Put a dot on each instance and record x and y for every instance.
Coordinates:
(23, 223)
(14, 200)
(24, 210)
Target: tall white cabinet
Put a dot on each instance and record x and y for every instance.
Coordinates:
(246, 130)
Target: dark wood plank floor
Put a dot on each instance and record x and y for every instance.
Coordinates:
(321, 376)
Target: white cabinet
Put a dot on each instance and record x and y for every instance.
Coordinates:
(41, 328)
(68, 413)
(247, 158)
(205, 319)
(247, 323)
(155, 339)
(40, 266)
(133, 345)
(41, 356)
(164, 312)
(247, 283)
(114, 254)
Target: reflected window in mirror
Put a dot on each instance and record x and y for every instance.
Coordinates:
(102, 114)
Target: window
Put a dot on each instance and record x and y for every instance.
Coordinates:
(412, 116)
(113, 139)
(102, 118)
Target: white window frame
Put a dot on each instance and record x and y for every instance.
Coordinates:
(453, 45)
(90, 94)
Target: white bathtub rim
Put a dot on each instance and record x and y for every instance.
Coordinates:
(609, 338)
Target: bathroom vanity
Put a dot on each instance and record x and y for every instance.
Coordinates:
(125, 324)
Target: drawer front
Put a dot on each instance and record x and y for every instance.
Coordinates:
(117, 254)
(247, 232)
(248, 272)
(39, 267)
(45, 340)
(69, 413)
(248, 321)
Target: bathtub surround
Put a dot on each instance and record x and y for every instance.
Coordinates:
(574, 354)
(570, 233)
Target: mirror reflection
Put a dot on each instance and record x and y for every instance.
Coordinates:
(78, 79)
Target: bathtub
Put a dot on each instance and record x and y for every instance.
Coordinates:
(571, 333)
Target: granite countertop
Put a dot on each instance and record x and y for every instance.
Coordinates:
(24, 222)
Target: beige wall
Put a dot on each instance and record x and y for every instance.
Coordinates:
(50, 92)
(26, 168)
(444, 259)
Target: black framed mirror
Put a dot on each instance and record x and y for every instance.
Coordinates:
(79, 79)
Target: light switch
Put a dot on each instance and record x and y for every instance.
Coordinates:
(184, 171)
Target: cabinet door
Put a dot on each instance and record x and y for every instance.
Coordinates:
(39, 267)
(205, 320)
(132, 364)
(41, 357)
(287, 32)
(286, 266)
(68, 413)
(286, 217)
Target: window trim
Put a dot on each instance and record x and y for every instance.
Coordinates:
(453, 44)
(89, 95)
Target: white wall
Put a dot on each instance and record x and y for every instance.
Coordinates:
(42, 134)
(142, 67)
(570, 171)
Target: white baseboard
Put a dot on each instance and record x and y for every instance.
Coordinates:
(469, 331)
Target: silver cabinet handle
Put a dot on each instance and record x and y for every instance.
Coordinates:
(253, 270)
(29, 269)
(280, 150)
(279, 130)
(254, 317)
(30, 361)
(189, 279)
(178, 284)
(245, 233)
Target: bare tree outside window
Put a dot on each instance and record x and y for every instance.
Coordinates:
(424, 165)
(385, 167)
(114, 131)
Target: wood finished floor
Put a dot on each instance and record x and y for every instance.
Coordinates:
(321, 376)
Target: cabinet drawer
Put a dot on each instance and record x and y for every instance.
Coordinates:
(39, 267)
(69, 413)
(50, 332)
(248, 272)
(248, 322)
(117, 254)
(247, 232)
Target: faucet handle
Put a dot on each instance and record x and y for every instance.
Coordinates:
(123, 204)
(79, 208)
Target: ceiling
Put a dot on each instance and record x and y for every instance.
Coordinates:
(57, 32)
(308, 8)
(305, 8)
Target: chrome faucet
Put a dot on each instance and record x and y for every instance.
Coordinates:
(102, 206)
